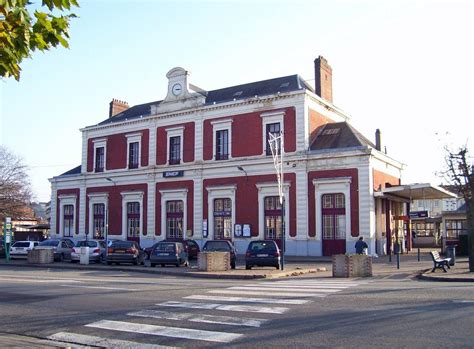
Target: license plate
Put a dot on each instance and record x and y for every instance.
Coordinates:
(119, 251)
(162, 254)
(262, 255)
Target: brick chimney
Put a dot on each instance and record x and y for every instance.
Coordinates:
(323, 78)
(117, 107)
(378, 140)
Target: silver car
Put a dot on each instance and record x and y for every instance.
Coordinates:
(20, 249)
(62, 248)
(96, 250)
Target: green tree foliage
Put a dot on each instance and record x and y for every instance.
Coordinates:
(22, 32)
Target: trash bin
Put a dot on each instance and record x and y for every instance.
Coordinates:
(451, 253)
(84, 255)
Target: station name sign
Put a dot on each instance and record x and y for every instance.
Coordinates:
(172, 174)
(419, 214)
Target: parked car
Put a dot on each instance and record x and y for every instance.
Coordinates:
(96, 250)
(190, 246)
(262, 253)
(169, 253)
(62, 248)
(125, 252)
(20, 249)
(221, 246)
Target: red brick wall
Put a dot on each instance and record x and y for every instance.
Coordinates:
(381, 178)
(247, 134)
(60, 192)
(354, 199)
(189, 185)
(115, 206)
(187, 143)
(116, 156)
(246, 198)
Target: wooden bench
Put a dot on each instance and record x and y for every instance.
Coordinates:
(439, 262)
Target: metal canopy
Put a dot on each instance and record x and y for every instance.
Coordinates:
(416, 191)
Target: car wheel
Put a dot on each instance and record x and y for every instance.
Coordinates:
(248, 267)
(152, 265)
(109, 263)
(178, 264)
(277, 266)
(135, 262)
(162, 265)
(61, 257)
(186, 264)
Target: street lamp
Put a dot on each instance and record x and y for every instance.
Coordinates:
(240, 168)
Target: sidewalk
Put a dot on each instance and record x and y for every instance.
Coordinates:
(16, 341)
(294, 266)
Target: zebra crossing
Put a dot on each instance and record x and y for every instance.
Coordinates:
(274, 298)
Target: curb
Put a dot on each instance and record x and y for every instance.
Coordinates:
(425, 277)
(151, 271)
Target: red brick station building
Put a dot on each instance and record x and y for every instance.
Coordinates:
(197, 165)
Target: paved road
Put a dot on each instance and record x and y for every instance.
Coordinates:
(116, 309)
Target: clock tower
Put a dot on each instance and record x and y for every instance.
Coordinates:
(178, 87)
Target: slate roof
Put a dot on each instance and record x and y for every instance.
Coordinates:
(73, 171)
(339, 135)
(259, 88)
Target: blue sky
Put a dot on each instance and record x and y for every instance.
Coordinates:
(405, 67)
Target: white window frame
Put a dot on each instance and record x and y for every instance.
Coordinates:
(174, 195)
(133, 138)
(97, 198)
(338, 185)
(272, 117)
(131, 196)
(63, 201)
(100, 143)
(271, 189)
(222, 125)
(174, 132)
(219, 192)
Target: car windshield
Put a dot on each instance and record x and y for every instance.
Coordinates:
(121, 244)
(49, 243)
(165, 247)
(216, 246)
(86, 243)
(21, 244)
(261, 246)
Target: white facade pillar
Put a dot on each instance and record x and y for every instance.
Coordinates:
(84, 152)
(150, 214)
(83, 227)
(301, 126)
(198, 138)
(152, 146)
(198, 203)
(53, 208)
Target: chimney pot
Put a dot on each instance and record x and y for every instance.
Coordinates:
(378, 140)
(116, 107)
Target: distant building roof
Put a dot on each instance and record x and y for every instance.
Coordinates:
(339, 135)
(74, 171)
(259, 88)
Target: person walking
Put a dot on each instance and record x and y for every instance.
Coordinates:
(361, 245)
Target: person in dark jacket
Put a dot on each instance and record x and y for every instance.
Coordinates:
(361, 245)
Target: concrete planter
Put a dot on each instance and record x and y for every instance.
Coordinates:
(357, 265)
(41, 256)
(213, 261)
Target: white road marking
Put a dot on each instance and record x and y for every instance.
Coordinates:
(267, 294)
(243, 308)
(294, 289)
(165, 331)
(315, 283)
(248, 300)
(95, 341)
(102, 287)
(297, 286)
(33, 280)
(224, 320)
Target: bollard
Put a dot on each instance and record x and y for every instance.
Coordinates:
(418, 254)
(390, 257)
(398, 260)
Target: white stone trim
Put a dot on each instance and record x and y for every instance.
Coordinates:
(133, 138)
(174, 132)
(272, 117)
(100, 143)
(332, 186)
(131, 196)
(219, 192)
(67, 199)
(220, 125)
(170, 195)
(271, 189)
(97, 198)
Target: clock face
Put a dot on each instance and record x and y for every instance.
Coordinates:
(177, 89)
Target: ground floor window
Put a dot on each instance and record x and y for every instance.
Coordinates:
(174, 219)
(98, 222)
(133, 219)
(273, 221)
(333, 216)
(455, 227)
(222, 218)
(423, 229)
(68, 220)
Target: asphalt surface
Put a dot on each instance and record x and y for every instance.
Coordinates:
(120, 309)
